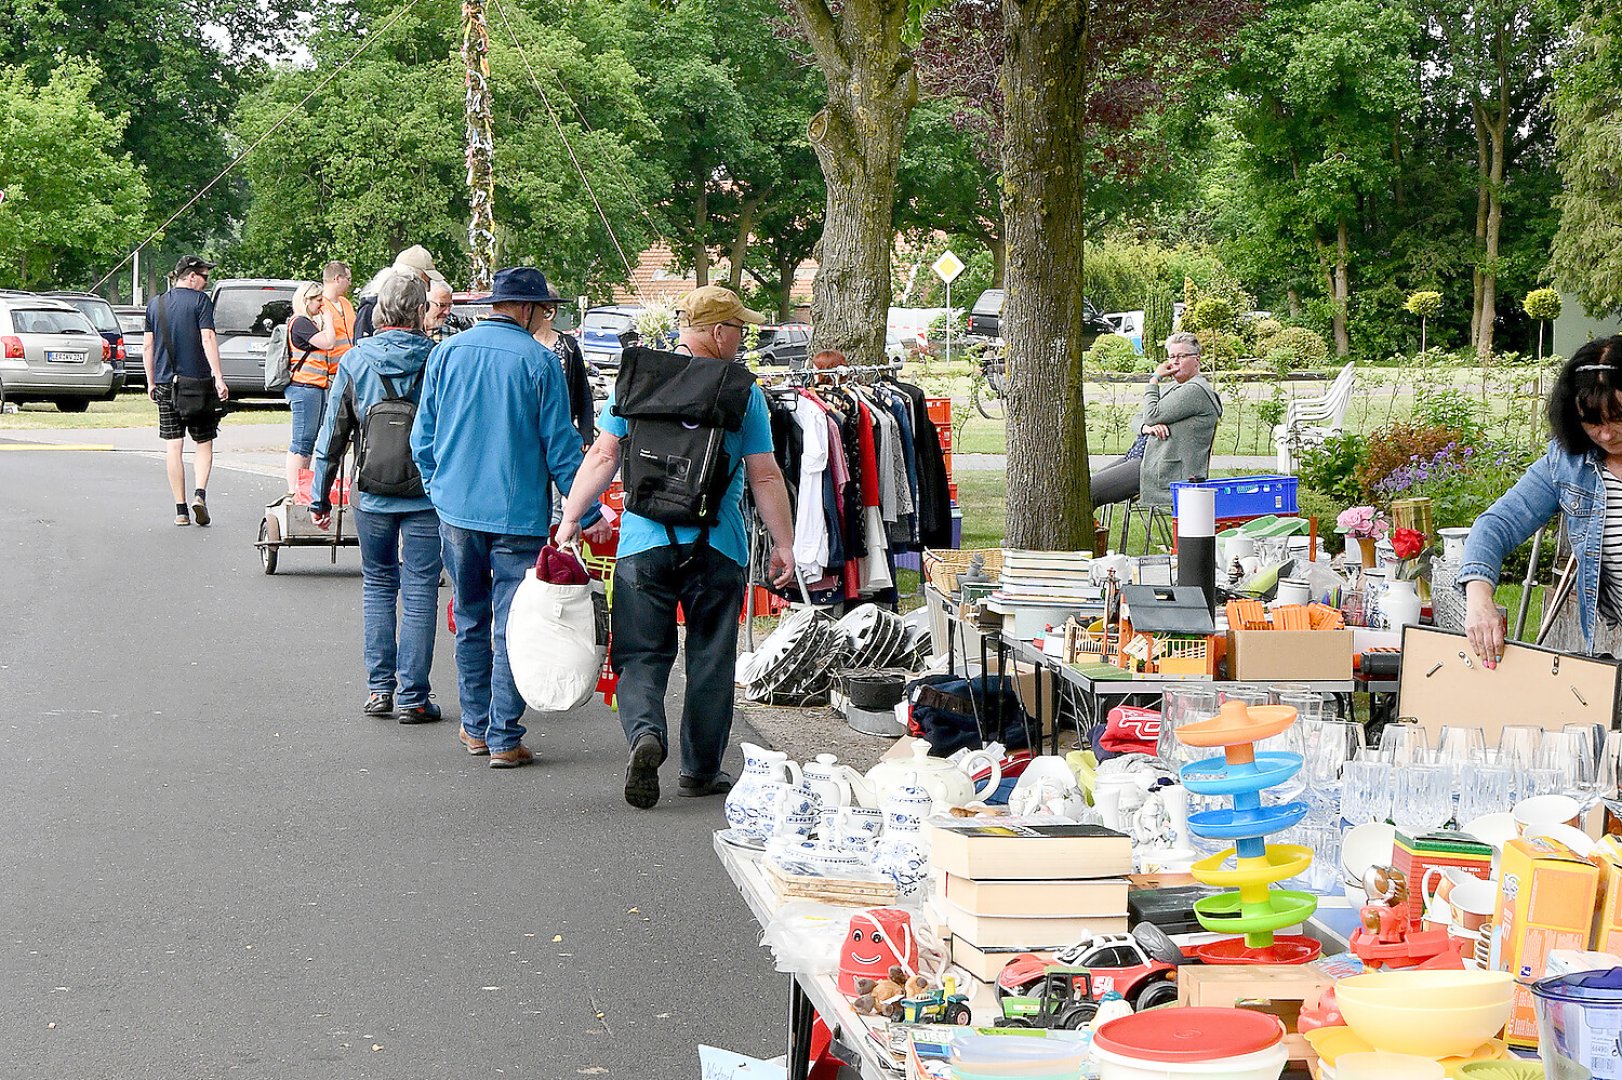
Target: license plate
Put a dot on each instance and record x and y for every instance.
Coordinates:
(57, 356)
(598, 357)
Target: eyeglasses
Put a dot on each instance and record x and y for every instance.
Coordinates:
(736, 326)
(1182, 356)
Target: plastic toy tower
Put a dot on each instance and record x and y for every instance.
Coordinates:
(1254, 909)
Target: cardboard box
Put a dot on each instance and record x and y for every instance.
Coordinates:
(1607, 856)
(1302, 655)
(1416, 855)
(1546, 899)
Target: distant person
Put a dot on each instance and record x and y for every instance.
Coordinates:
(661, 566)
(575, 374)
(439, 323)
(340, 313)
(309, 334)
(399, 534)
(492, 436)
(180, 340)
(413, 260)
(1175, 431)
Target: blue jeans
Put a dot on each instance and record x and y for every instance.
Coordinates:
(306, 403)
(485, 570)
(647, 588)
(399, 558)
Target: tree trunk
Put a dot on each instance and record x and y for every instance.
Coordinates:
(740, 242)
(998, 244)
(1292, 297)
(1498, 134)
(787, 264)
(1343, 289)
(701, 251)
(1483, 167)
(857, 137)
(1044, 81)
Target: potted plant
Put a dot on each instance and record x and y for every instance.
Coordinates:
(1365, 524)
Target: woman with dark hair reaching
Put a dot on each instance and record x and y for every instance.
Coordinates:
(1581, 478)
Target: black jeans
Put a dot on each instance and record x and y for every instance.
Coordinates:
(1116, 483)
(647, 588)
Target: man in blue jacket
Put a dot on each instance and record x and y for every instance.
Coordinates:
(492, 434)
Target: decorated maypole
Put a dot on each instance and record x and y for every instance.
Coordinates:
(481, 228)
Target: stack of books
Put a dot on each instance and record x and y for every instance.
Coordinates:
(1009, 888)
(1037, 587)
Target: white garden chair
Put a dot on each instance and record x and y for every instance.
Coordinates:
(1310, 421)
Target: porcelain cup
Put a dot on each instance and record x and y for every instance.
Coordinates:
(1543, 810)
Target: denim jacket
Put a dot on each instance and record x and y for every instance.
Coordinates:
(1559, 480)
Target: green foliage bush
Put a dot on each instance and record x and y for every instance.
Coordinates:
(1210, 313)
(1542, 304)
(1400, 446)
(1425, 304)
(1332, 468)
(1325, 507)
(1157, 320)
(1219, 348)
(1306, 348)
(1112, 352)
(1262, 329)
(1450, 408)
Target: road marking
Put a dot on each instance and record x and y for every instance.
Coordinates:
(59, 446)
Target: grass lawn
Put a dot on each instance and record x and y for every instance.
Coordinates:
(130, 410)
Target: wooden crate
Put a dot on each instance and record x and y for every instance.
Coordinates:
(1280, 990)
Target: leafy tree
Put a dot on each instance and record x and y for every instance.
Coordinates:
(73, 197)
(1587, 252)
(1320, 86)
(1425, 304)
(376, 162)
(1543, 305)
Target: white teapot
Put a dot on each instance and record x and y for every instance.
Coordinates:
(948, 783)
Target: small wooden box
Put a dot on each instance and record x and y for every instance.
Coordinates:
(1282, 991)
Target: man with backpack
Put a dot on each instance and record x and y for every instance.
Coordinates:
(690, 430)
(492, 435)
(372, 405)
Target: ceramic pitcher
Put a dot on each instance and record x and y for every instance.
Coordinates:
(830, 782)
(903, 853)
(750, 805)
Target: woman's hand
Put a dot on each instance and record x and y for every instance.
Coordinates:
(1483, 625)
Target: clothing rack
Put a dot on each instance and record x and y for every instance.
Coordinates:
(837, 375)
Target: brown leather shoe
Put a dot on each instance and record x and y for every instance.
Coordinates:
(511, 759)
(476, 747)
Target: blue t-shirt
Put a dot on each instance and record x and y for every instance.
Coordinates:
(187, 313)
(638, 534)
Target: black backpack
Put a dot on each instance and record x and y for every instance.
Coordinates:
(383, 464)
(678, 410)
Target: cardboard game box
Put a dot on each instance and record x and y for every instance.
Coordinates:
(1546, 899)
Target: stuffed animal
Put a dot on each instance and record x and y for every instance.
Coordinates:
(881, 998)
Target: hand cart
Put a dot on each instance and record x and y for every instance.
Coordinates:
(287, 523)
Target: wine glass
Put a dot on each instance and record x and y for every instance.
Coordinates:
(1460, 746)
(1405, 744)
(1570, 755)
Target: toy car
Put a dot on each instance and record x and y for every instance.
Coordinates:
(1064, 998)
(938, 1006)
(1139, 966)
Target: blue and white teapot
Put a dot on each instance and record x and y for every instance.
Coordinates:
(902, 854)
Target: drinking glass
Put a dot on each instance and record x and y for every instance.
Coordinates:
(1485, 789)
(1179, 707)
(1460, 746)
(1288, 741)
(1422, 797)
(1307, 705)
(1248, 693)
(1405, 744)
(1324, 875)
(1595, 781)
(1518, 745)
(1365, 793)
(1570, 754)
(1608, 764)
(1276, 692)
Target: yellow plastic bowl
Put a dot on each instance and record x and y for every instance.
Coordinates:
(1421, 1021)
(1429, 989)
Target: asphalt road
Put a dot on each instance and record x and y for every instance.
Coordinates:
(215, 866)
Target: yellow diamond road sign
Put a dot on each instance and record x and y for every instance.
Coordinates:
(948, 266)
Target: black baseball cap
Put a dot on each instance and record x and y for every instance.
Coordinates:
(190, 264)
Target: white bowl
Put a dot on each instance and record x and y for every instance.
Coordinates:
(1573, 838)
(1542, 810)
(1494, 829)
(1364, 846)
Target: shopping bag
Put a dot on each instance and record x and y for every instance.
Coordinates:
(552, 635)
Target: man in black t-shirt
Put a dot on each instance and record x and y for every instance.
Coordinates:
(186, 346)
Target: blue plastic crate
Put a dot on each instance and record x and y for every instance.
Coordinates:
(1248, 496)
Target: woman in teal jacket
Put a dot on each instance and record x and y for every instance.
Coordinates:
(399, 536)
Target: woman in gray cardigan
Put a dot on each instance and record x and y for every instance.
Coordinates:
(1176, 429)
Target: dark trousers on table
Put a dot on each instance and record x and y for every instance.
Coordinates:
(647, 588)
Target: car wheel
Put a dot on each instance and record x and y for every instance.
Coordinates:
(72, 405)
(1156, 994)
(269, 534)
(1014, 1022)
(987, 401)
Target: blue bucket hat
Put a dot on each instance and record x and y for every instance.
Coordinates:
(521, 285)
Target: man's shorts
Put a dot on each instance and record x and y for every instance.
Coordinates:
(171, 426)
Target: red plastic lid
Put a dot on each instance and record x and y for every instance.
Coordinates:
(1286, 949)
(1189, 1035)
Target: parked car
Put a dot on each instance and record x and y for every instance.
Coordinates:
(985, 318)
(51, 351)
(246, 310)
(105, 320)
(1129, 324)
(787, 345)
(895, 349)
(133, 322)
(604, 333)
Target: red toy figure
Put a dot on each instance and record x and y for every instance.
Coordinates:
(878, 939)
(1385, 940)
(1385, 916)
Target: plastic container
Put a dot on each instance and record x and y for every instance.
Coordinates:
(1579, 1023)
(995, 1057)
(1378, 1066)
(1431, 1014)
(1219, 1044)
(1248, 496)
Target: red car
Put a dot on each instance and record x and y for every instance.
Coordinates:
(1136, 966)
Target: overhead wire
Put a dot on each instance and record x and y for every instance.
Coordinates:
(285, 117)
(630, 269)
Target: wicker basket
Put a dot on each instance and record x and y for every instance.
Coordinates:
(943, 566)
